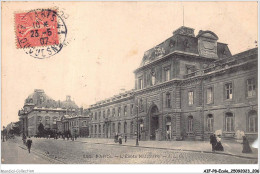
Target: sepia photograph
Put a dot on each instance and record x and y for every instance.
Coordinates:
(131, 82)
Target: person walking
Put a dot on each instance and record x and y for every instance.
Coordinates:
(29, 144)
(246, 146)
(120, 139)
(213, 141)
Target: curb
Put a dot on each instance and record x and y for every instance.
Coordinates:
(183, 150)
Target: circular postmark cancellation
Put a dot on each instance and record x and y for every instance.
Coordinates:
(41, 32)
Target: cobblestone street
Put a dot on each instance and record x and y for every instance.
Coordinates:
(80, 152)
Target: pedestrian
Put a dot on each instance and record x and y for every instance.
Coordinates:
(167, 135)
(29, 144)
(120, 139)
(246, 146)
(213, 141)
(125, 138)
(219, 146)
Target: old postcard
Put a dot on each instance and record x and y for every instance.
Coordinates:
(130, 83)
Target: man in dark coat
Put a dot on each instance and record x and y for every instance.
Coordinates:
(213, 141)
(29, 144)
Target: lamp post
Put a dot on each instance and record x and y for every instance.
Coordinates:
(137, 131)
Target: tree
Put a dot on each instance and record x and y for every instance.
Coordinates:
(41, 129)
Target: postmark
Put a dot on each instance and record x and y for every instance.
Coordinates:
(40, 32)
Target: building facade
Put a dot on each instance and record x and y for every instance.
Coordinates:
(186, 88)
(40, 108)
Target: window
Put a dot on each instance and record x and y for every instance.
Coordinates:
(104, 114)
(125, 110)
(99, 128)
(103, 128)
(119, 127)
(95, 129)
(113, 112)
(251, 91)
(119, 111)
(125, 127)
(228, 90)
(209, 95)
(190, 124)
(132, 109)
(47, 120)
(153, 77)
(113, 128)
(54, 120)
(108, 112)
(39, 120)
(168, 100)
(229, 122)
(209, 122)
(132, 128)
(252, 121)
(167, 74)
(190, 94)
(95, 115)
(141, 105)
(140, 83)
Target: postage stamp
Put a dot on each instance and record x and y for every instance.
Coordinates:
(41, 32)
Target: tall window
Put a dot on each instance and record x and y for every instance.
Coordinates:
(103, 128)
(39, 119)
(54, 120)
(113, 128)
(210, 122)
(191, 97)
(228, 90)
(108, 112)
(167, 74)
(119, 111)
(132, 109)
(209, 95)
(140, 83)
(125, 110)
(190, 124)
(125, 127)
(119, 127)
(251, 91)
(252, 121)
(47, 120)
(95, 129)
(168, 100)
(99, 115)
(113, 112)
(104, 114)
(141, 105)
(132, 127)
(99, 128)
(153, 77)
(229, 122)
(95, 115)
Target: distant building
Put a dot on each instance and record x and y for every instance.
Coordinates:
(39, 108)
(188, 86)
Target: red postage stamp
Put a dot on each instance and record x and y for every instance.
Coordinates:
(37, 28)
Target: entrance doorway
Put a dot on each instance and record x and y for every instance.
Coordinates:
(154, 123)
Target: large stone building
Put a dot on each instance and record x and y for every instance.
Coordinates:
(39, 108)
(187, 86)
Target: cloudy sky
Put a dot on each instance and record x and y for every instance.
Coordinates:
(106, 42)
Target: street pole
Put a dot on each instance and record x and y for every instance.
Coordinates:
(137, 132)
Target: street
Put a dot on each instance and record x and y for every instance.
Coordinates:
(79, 152)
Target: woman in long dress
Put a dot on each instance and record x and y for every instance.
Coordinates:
(246, 146)
(219, 146)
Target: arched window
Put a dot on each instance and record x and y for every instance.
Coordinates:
(168, 100)
(229, 118)
(119, 127)
(209, 123)
(252, 121)
(125, 110)
(190, 124)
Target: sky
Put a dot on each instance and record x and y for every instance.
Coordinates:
(106, 43)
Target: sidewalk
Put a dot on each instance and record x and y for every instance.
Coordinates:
(13, 154)
(230, 148)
